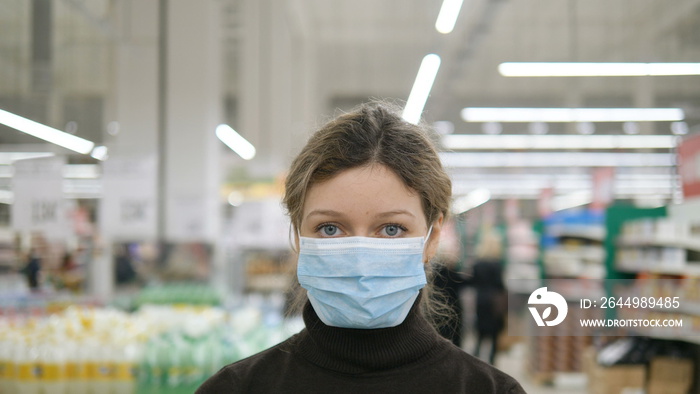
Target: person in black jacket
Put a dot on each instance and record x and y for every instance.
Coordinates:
(491, 296)
(32, 269)
(367, 197)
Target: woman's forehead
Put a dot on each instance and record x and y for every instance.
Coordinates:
(363, 190)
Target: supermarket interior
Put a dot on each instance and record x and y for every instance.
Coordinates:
(145, 146)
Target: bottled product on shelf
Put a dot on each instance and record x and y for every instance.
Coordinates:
(178, 293)
(105, 351)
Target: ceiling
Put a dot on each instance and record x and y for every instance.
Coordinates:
(372, 48)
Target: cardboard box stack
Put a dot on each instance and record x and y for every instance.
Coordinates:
(670, 376)
(663, 375)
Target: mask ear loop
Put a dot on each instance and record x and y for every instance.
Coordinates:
(427, 236)
(426, 239)
(292, 244)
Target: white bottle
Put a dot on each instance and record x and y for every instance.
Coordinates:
(88, 356)
(76, 370)
(7, 366)
(52, 362)
(27, 368)
(103, 369)
(126, 358)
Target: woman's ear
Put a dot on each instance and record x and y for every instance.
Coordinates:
(434, 240)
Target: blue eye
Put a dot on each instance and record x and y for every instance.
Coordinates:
(393, 230)
(329, 230)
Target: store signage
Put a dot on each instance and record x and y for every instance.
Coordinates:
(187, 218)
(38, 204)
(689, 165)
(128, 209)
(261, 224)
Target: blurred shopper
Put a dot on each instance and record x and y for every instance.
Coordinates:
(367, 197)
(32, 269)
(491, 296)
(123, 266)
(69, 273)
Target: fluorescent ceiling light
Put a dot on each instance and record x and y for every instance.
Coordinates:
(572, 200)
(556, 69)
(533, 191)
(10, 157)
(472, 200)
(46, 133)
(81, 171)
(421, 88)
(448, 16)
(100, 153)
(233, 140)
(555, 159)
(496, 114)
(550, 141)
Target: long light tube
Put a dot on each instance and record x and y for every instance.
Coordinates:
(555, 159)
(11, 157)
(421, 88)
(557, 142)
(233, 140)
(572, 200)
(46, 133)
(447, 17)
(498, 114)
(472, 200)
(587, 69)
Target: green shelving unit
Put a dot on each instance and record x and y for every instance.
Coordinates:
(615, 217)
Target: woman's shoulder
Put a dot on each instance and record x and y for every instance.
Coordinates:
(478, 374)
(235, 377)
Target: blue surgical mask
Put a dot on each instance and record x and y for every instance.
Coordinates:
(361, 282)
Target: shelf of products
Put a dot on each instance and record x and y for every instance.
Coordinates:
(268, 270)
(660, 246)
(663, 255)
(572, 244)
(157, 349)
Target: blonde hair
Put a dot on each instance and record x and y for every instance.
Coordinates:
(490, 246)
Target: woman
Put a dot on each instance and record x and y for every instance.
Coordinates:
(367, 197)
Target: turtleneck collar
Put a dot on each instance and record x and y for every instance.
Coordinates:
(350, 350)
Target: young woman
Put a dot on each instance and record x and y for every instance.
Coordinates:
(367, 197)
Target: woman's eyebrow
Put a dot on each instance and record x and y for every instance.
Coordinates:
(324, 212)
(332, 213)
(396, 212)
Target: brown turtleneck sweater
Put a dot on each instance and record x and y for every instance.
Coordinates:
(408, 358)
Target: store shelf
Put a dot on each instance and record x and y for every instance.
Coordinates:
(587, 232)
(683, 243)
(652, 334)
(268, 282)
(690, 268)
